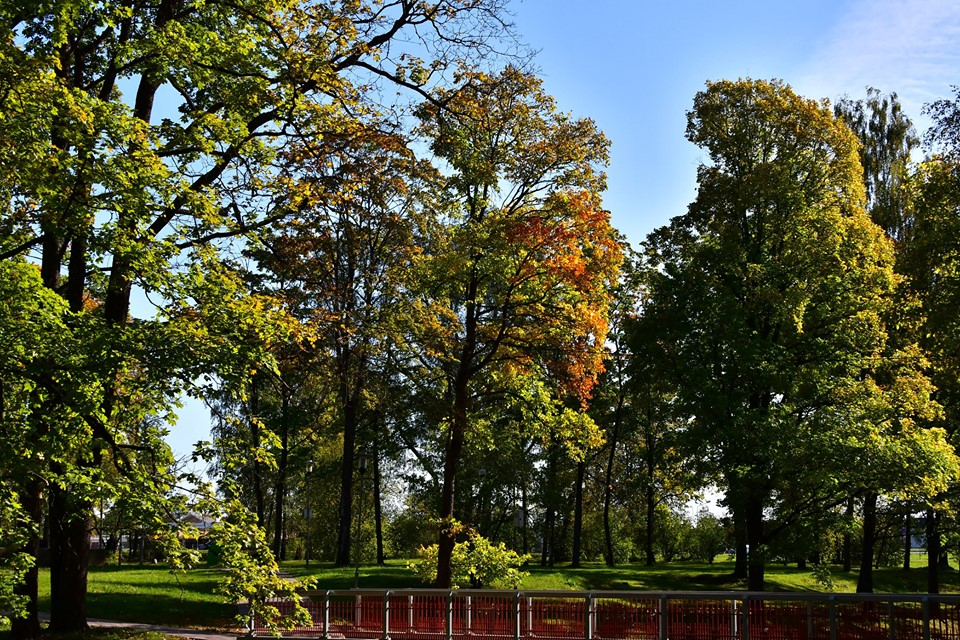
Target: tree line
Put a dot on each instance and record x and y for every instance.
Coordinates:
(355, 227)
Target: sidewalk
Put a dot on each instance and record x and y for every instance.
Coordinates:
(198, 634)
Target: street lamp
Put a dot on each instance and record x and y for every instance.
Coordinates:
(308, 511)
(481, 474)
(362, 469)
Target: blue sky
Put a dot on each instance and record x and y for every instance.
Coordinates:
(635, 65)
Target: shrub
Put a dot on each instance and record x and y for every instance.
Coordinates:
(476, 562)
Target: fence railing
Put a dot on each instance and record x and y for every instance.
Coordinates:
(430, 614)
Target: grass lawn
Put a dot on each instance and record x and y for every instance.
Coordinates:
(152, 594)
(677, 576)
(683, 576)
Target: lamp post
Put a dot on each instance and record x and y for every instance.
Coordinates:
(362, 469)
(481, 474)
(308, 511)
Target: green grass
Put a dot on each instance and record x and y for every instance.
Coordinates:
(152, 595)
(394, 575)
(684, 576)
(677, 576)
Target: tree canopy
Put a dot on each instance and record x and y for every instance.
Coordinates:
(773, 289)
(365, 225)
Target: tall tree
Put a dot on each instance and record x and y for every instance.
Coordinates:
(610, 406)
(514, 281)
(776, 281)
(337, 268)
(932, 263)
(110, 193)
(887, 138)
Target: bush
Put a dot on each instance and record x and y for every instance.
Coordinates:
(476, 562)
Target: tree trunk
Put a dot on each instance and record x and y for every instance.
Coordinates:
(70, 521)
(450, 465)
(933, 551)
(739, 540)
(608, 483)
(346, 478)
(280, 488)
(578, 514)
(378, 510)
(546, 553)
(525, 505)
(561, 532)
(458, 430)
(28, 628)
(847, 542)
(651, 506)
(907, 540)
(755, 541)
(261, 503)
(865, 581)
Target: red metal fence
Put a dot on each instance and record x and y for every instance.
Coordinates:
(429, 614)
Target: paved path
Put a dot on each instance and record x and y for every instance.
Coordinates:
(198, 634)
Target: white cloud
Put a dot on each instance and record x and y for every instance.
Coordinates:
(911, 47)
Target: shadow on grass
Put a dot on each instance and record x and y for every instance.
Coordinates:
(393, 575)
(675, 577)
(154, 595)
(157, 608)
(681, 576)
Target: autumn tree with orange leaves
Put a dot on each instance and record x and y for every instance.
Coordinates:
(509, 298)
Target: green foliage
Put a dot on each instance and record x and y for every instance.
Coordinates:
(13, 565)
(408, 531)
(252, 573)
(887, 139)
(824, 577)
(476, 563)
(509, 297)
(674, 534)
(772, 295)
(709, 538)
(623, 530)
(117, 198)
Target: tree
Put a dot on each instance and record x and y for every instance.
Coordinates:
(709, 537)
(111, 194)
(661, 470)
(610, 406)
(510, 293)
(887, 138)
(644, 466)
(931, 262)
(775, 282)
(335, 268)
